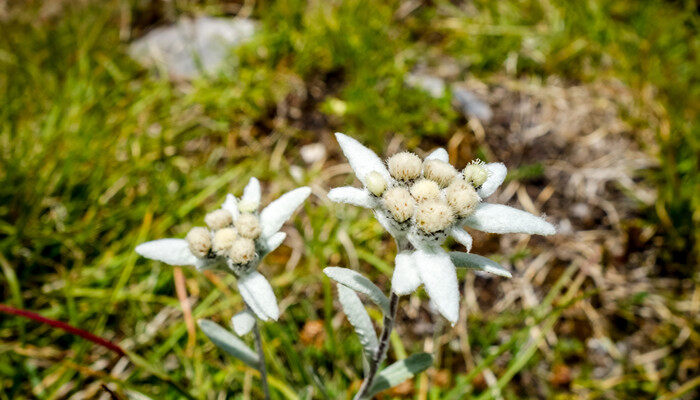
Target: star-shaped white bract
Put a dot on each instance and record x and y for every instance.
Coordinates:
(238, 239)
(420, 203)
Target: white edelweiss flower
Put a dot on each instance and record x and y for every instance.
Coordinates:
(432, 219)
(237, 241)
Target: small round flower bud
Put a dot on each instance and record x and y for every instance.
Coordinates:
(199, 241)
(218, 219)
(433, 216)
(248, 226)
(245, 206)
(242, 251)
(476, 174)
(399, 203)
(425, 189)
(404, 166)
(223, 240)
(462, 197)
(439, 171)
(375, 183)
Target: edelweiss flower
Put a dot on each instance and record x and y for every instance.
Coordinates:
(237, 240)
(420, 203)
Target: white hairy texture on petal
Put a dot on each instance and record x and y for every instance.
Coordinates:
(375, 183)
(257, 293)
(169, 251)
(275, 241)
(242, 250)
(199, 241)
(425, 189)
(440, 279)
(389, 224)
(248, 226)
(439, 154)
(399, 202)
(231, 205)
(439, 171)
(462, 237)
(362, 160)
(497, 218)
(251, 194)
(405, 166)
(475, 261)
(243, 322)
(359, 283)
(218, 219)
(278, 212)
(351, 195)
(462, 197)
(405, 279)
(223, 240)
(497, 173)
(432, 216)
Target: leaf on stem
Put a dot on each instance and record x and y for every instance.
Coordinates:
(227, 342)
(359, 319)
(475, 261)
(357, 282)
(400, 371)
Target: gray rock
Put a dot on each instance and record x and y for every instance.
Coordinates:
(192, 46)
(433, 85)
(470, 105)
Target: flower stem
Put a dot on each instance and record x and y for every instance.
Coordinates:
(379, 356)
(261, 355)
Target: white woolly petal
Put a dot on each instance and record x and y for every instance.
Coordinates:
(231, 205)
(169, 251)
(243, 322)
(497, 173)
(275, 241)
(405, 279)
(462, 237)
(439, 154)
(278, 212)
(251, 192)
(497, 218)
(257, 293)
(440, 279)
(351, 195)
(361, 159)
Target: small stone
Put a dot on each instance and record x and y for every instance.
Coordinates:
(248, 226)
(425, 189)
(223, 240)
(218, 219)
(433, 216)
(405, 166)
(199, 241)
(439, 171)
(242, 251)
(399, 202)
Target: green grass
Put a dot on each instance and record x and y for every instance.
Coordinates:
(97, 155)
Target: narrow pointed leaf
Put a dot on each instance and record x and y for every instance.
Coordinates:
(357, 282)
(227, 342)
(400, 371)
(359, 319)
(475, 261)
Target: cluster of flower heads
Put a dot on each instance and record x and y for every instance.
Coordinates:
(422, 202)
(236, 240)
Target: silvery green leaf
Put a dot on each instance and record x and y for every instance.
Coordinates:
(475, 261)
(243, 322)
(357, 282)
(359, 319)
(225, 340)
(400, 371)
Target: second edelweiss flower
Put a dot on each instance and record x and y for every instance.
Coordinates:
(420, 203)
(236, 240)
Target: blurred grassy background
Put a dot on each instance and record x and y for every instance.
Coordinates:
(97, 155)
